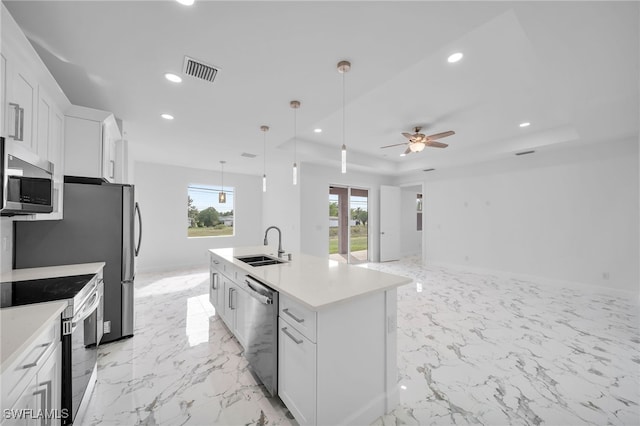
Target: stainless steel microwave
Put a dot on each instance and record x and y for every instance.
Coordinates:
(27, 181)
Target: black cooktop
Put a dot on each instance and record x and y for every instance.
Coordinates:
(17, 293)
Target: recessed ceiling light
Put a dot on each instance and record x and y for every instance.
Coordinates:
(525, 124)
(173, 78)
(317, 130)
(185, 2)
(454, 58)
(167, 116)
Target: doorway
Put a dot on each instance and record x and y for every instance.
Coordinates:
(348, 224)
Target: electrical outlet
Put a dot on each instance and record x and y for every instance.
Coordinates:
(106, 327)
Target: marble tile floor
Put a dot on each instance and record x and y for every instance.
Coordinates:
(472, 349)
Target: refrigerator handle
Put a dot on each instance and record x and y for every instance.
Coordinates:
(139, 229)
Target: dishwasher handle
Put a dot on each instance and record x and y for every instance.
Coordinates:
(254, 292)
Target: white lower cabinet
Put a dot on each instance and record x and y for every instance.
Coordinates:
(31, 386)
(337, 365)
(228, 299)
(297, 372)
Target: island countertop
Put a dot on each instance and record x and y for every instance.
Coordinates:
(316, 282)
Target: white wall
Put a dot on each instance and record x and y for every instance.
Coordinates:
(568, 215)
(314, 208)
(410, 237)
(161, 191)
(282, 205)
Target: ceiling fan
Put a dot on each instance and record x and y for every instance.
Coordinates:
(417, 141)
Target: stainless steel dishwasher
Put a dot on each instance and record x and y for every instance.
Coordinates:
(262, 332)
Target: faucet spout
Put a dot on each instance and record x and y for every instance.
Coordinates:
(266, 241)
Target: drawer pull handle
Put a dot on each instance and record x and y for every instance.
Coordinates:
(45, 346)
(294, 338)
(286, 311)
(214, 278)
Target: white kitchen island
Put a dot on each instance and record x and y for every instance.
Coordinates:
(337, 361)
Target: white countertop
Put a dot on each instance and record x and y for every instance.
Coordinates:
(52, 271)
(313, 281)
(21, 324)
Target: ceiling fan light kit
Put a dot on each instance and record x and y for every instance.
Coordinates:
(343, 68)
(418, 141)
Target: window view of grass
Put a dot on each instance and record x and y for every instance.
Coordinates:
(358, 224)
(358, 238)
(206, 216)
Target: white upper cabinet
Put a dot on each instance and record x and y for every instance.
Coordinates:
(91, 136)
(32, 105)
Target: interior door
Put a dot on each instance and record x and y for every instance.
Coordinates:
(389, 223)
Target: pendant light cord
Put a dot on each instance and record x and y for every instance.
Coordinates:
(295, 135)
(343, 108)
(264, 155)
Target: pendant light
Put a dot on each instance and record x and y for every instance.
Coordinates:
(295, 105)
(264, 129)
(222, 197)
(343, 68)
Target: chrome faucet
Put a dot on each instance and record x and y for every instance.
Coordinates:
(266, 242)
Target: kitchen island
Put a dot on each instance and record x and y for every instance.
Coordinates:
(336, 336)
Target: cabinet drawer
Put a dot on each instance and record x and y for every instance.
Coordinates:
(299, 316)
(23, 370)
(297, 373)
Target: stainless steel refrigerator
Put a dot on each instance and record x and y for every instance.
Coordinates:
(99, 225)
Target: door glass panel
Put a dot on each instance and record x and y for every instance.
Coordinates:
(359, 226)
(348, 224)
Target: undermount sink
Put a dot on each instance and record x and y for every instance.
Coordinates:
(259, 260)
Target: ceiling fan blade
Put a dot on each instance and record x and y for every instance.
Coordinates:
(397, 144)
(407, 135)
(407, 151)
(441, 135)
(436, 144)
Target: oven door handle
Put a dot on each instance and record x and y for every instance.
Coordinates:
(86, 311)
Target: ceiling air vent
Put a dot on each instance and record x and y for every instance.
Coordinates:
(199, 69)
(525, 152)
(247, 155)
(428, 170)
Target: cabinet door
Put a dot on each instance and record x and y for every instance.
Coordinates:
(21, 101)
(23, 411)
(82, 147)
(49, 387)
(240, 306)
(110, 135)
(56, 150)
(44, 127)
(3, 94)
(214, 285)
(297, 373)
(227, 309)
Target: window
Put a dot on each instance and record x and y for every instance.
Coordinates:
(206, 216)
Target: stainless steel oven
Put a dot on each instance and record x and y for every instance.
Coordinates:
(81, 334)
(27, 181)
